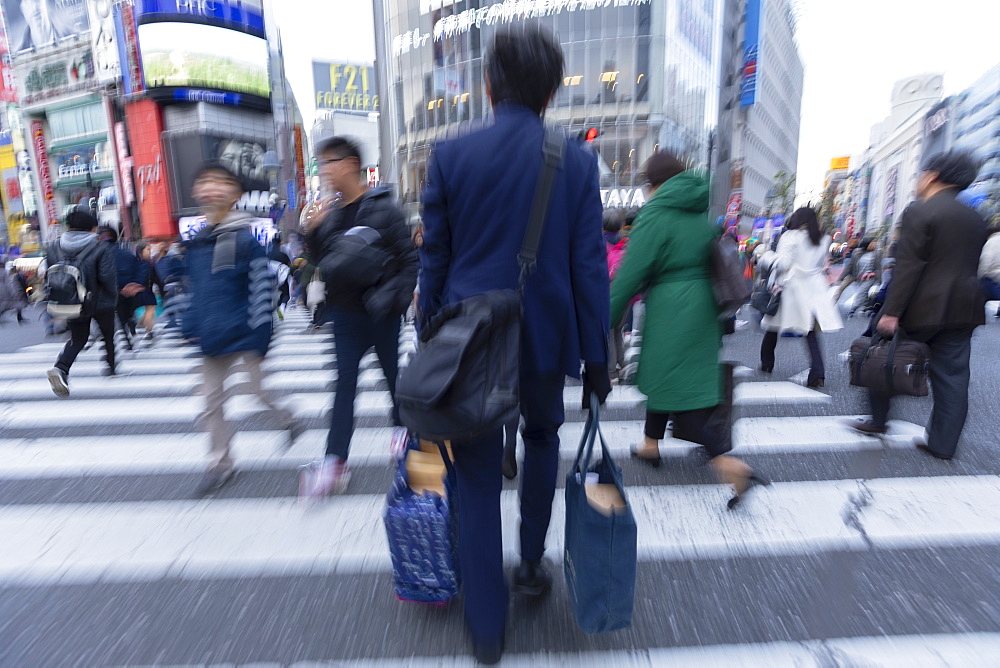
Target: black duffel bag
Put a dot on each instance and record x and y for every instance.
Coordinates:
(356, 259)
(462, 381)
(890, 366)
(764, 300)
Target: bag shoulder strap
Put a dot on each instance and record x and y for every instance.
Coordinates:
(552, 157)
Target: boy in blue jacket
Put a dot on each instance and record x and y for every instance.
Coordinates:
(231, 309)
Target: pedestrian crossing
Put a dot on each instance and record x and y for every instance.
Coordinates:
(102, 534)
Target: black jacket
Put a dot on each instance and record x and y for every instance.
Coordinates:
(934, 284)
(98, 267)
(392, 296)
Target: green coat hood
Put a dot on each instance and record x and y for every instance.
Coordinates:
(688, 191)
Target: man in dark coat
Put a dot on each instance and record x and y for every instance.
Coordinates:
(230, 315)
(935, 296)
(96, 262)
(477, 198)
(363, 316)
(129, 283)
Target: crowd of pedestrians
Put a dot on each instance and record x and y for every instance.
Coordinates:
(362, 271)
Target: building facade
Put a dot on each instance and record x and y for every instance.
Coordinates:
(641, 75)
(767, 129)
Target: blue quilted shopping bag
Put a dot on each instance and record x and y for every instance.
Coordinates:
(600, 547)
(422, 529)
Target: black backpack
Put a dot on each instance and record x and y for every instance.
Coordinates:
(463, 380)
(65, 283)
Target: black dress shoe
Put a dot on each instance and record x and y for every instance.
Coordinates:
(766, 369)
(651, 461)
(509, 463)
(488, 653)
(867, 427)
(921, 445)
(531, 579)
(815, 382)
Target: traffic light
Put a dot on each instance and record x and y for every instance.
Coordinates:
(591, 134)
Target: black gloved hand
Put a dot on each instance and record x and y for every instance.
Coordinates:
(596, 379)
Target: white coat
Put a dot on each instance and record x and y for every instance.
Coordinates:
(799, 268)
(989, 262)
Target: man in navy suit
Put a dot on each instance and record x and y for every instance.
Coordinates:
(477, 198)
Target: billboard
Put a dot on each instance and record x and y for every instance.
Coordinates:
(184, 55)
(345, 87)
(240, 15)
(751, 43)
(145, 126)
(33, 24)
(840, 163)
(244, 157)
(104, 41)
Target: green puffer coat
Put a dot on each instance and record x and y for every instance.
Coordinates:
(668, 258)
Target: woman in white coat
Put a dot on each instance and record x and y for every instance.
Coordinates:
(799, 267)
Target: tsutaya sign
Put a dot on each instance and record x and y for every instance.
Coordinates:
(509, 11)
(622, 198)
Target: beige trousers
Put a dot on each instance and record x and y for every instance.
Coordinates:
(215, 371)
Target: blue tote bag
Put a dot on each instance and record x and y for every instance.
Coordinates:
(422, 530)
(600, 541)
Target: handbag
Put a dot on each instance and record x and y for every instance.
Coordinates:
(462, 381)
(765, 300)
(356, 259)
(600, 544)
(315, 291)
(727, 271)
(890, 366)
(422, 533)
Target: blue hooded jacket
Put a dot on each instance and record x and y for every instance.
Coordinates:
(233, 289)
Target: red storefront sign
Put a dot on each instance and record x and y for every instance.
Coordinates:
(145, 126)
(44, 175)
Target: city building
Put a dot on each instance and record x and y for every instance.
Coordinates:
(640, 75)
(766, 132)
(891, 163)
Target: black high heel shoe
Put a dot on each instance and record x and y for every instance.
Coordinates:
(753, 480)
(651, 461)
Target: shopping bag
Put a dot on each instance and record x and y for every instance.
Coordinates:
(315, 292)
(421, 524)
(600, 545)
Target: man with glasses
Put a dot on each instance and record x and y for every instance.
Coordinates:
(364, 316)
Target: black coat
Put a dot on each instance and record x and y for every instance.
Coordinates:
(393, 295)
(99, 274)
(934, 284)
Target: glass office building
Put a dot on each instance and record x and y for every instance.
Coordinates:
(643, 73)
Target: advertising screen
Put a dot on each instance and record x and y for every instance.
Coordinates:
(188, 55)
(243, 156)
(37, 23)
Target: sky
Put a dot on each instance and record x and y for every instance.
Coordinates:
(852, 51)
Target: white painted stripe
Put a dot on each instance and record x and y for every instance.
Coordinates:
(146, 367)
(218, 538)
(923, 651)
(782, 392)
(90, 387)
(128, 410)
(186, 453)
(815, 434)
(160, 352)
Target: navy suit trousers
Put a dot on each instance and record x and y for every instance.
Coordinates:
(479, 484)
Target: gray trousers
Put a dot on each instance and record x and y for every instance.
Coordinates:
(215, 371)
(949, 376)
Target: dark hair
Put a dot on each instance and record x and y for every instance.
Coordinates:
(524, 64)
(139, 247)
(661, 167)
(109, 231)
(342, 146)
(78, 219)
(806, 217)
(955, 168)
(218, 166)
(630, 217)
(613, 219)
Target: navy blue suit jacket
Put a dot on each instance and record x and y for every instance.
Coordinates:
(476, 204)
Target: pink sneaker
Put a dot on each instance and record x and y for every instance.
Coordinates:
(326, 478)
(397, 445)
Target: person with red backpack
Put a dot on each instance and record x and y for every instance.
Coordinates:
(615, 243)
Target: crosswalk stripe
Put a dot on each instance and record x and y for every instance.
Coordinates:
(781, 392)
(259, 450)
(206, 539)
(916, 651)
(128, 410)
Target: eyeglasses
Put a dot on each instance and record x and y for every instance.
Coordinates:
(329, 160)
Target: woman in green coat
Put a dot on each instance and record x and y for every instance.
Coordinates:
(668, 259)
